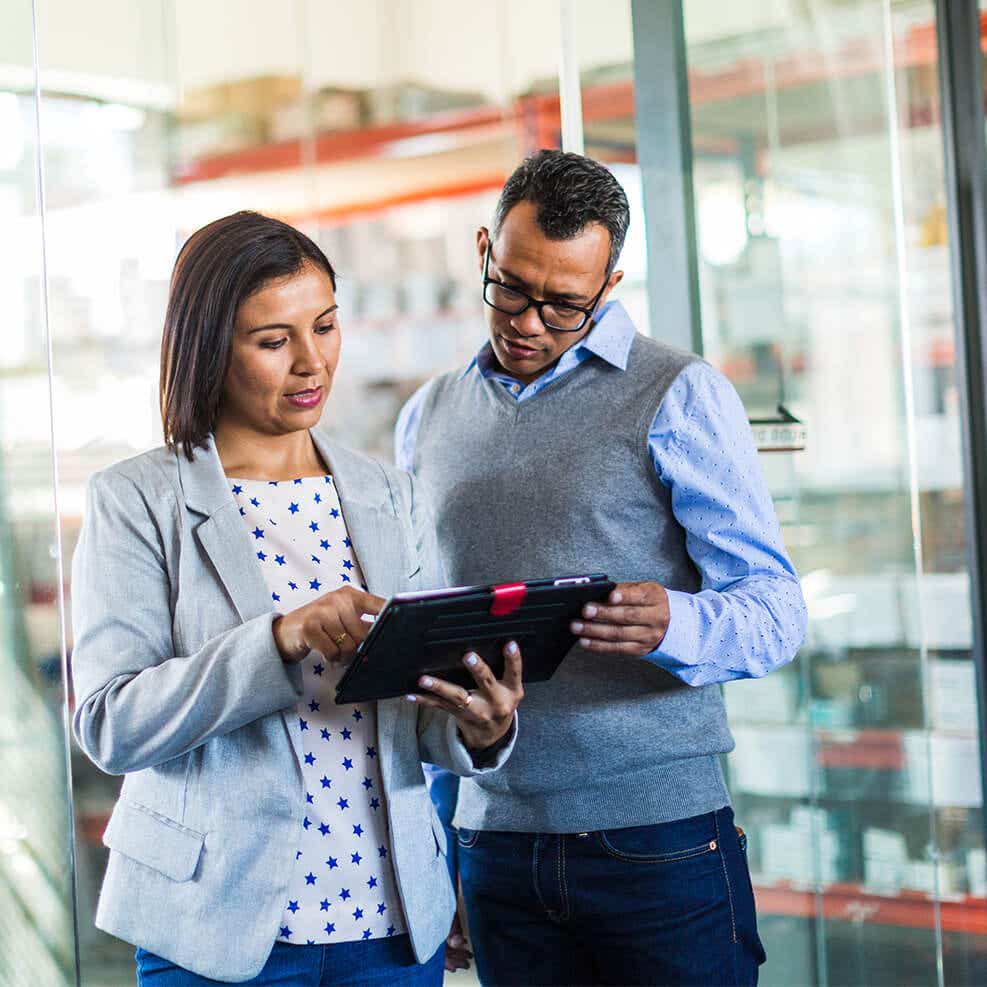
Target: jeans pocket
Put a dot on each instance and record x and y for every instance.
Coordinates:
(467, 837)
(661, 844)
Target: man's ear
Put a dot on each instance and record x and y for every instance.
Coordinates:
(612, 283)
(482, 242)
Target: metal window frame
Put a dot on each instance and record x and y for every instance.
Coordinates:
(961, 82)
(664, 154)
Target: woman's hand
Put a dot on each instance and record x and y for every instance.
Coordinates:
(331, 625)
(484, 714)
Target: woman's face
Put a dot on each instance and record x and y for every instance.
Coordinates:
(284, 354)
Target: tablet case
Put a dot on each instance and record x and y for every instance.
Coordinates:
(428, 633)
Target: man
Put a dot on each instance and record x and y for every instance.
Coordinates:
(605, 852)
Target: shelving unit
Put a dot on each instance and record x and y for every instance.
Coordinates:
(852, 903)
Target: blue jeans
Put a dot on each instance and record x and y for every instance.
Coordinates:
(443, 786)
(669, 904)
(376, 963)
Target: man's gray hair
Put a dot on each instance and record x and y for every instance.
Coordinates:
(571, 191)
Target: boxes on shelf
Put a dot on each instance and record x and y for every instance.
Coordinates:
(945, 878)
(771, 760)
(885, 860)
(256, 96)
(952, 694)
(888, 868)
(321, 112)
(976, 871)
(954, 770)
(231, 116)
(773, 699)
(407, 100)
(808, 849)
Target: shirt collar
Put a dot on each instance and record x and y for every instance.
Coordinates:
(610, 339)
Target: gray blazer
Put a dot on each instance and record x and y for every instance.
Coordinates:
(179, 686)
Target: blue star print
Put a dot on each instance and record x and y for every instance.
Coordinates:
(299, 562)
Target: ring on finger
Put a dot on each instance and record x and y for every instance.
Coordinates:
(339, 638)
(466, 701)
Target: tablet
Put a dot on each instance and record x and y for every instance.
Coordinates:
(428, 633)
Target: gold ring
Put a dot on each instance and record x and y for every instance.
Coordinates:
(339, 638)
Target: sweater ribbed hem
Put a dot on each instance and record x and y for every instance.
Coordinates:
(663, 793)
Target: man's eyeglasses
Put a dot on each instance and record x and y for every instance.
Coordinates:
(557, 316)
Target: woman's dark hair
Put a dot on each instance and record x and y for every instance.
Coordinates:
(217, 269)
(571, 191)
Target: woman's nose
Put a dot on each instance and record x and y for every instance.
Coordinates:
(308, 360)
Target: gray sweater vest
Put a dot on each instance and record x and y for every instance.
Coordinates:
(560, 484)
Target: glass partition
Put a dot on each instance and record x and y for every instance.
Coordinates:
(825, 282)
(384, 130)
(36, 915)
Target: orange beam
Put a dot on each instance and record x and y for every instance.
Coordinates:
(536, 118)
(850, 903)
(369, 207)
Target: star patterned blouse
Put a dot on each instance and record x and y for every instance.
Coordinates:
(342, 888)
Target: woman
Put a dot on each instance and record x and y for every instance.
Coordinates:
(263, 833)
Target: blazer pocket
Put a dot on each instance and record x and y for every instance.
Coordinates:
(439, 832)
(154, 840)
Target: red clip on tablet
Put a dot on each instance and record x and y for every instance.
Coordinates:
(507, 599)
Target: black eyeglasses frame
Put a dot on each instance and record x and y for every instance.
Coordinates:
(537, 304)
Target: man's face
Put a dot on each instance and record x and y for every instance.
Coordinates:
(570, 271)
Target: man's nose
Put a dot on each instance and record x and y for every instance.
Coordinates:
(528, 323)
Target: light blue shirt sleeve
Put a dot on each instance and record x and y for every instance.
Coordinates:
(406, 429)
(749, 616)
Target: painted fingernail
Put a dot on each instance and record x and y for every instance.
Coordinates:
(512, 648)
(576, 626)
(584, 642)
(589, 610)
(472, 659)
(426, 682)
(411, 699)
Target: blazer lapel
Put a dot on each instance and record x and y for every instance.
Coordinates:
(223, 535)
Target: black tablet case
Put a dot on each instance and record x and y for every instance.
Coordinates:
(429, 634)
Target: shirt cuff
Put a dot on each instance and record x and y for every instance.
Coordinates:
(464, 763)
(680, 647)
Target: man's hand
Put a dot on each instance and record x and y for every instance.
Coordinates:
(458, 953)
(632, 622)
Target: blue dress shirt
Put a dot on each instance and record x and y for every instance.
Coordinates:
(749, 616)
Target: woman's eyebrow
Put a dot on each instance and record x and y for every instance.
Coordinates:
(284, 325)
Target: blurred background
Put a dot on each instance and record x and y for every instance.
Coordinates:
(785, 164)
